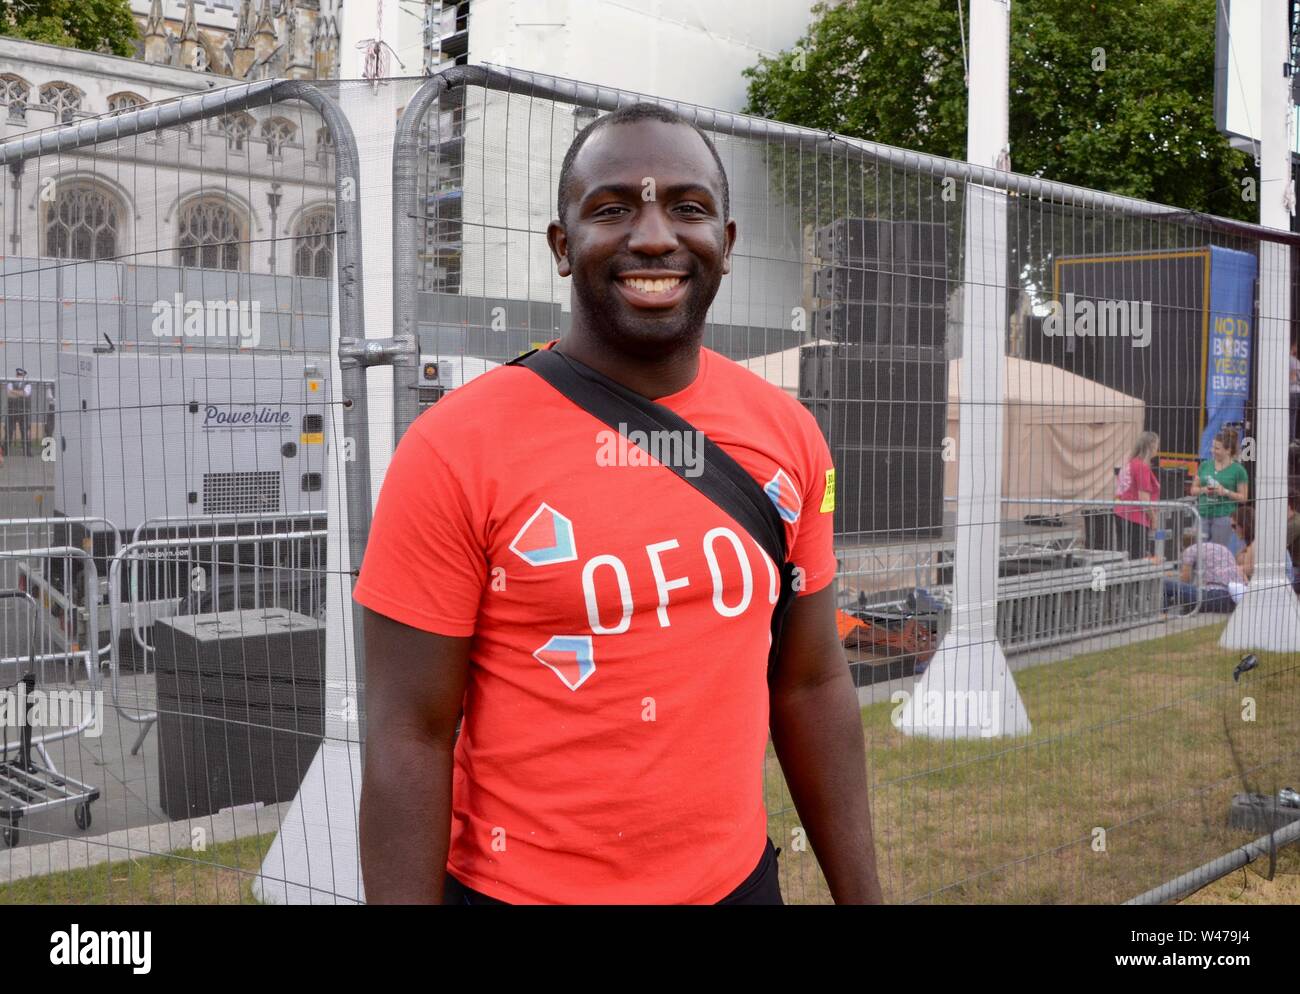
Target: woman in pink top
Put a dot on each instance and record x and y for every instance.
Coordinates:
(1136, 481)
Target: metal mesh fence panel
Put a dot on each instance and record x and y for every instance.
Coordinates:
(1108, 746)
(171, 305)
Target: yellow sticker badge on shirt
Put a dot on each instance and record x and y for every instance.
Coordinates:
(828, 497)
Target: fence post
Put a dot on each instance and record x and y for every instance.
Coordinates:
(969, 668)
(969, 662)
(1268, 616)
(315, 854)
(408, 222)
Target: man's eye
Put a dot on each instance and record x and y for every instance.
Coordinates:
(608, 210)
(695, 208)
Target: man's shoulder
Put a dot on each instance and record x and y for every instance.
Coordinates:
(489, 399)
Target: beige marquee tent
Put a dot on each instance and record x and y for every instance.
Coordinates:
(1065, 434)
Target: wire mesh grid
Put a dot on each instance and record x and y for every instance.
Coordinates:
(170, 307)
(159, 435)
(847, 291)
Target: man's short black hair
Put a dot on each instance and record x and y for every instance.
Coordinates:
(627, 115)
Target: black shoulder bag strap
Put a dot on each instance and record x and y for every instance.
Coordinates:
(724, 481)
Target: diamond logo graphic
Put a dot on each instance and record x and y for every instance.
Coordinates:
(781, 489)
(569, 657)
(546, 538)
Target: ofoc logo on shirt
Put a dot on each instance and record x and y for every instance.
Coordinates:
(548, 538)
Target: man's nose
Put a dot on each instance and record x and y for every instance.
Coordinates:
(652, 233)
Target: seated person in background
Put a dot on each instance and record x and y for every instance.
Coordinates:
(1243, 523)
(1218, 570)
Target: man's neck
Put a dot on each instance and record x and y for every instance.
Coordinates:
(651, 378)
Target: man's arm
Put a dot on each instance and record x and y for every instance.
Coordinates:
(817, 733)
(415, 686)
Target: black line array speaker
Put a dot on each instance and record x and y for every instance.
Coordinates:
(882, 282)
(857, 241)
(879, 288)
(883, 410)
(241, 707)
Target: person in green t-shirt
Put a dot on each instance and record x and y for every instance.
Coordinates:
(1293, 525)
(1221, 484)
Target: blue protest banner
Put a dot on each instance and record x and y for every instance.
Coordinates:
(1227, 359)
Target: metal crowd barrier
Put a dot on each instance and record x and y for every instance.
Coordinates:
(89, 655)
(163, 579)
(1056, 589)
(41, 586)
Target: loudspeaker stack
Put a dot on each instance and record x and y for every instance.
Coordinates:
(880, 392)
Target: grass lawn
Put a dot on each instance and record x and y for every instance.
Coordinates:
(221, 875)
(1144, 741)
(1147, 742)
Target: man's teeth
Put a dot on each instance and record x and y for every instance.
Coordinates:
(653, 286)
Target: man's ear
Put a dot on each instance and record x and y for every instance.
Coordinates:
(559, 242)
(730, 234)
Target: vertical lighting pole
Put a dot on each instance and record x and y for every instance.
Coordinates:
(1268, 616)
(273, 199)
(15, 236)
(969, 677)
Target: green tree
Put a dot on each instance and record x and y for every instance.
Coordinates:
(1115, 95)
(94, 25)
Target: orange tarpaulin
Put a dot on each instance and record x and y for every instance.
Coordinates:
(845, 623)
(909, 638)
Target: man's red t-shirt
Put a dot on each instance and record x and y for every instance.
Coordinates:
(616, 712)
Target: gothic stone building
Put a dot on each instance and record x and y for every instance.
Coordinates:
(225, 179)
(237, 206)
(242, 39)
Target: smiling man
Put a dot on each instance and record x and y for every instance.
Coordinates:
(604, 626)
